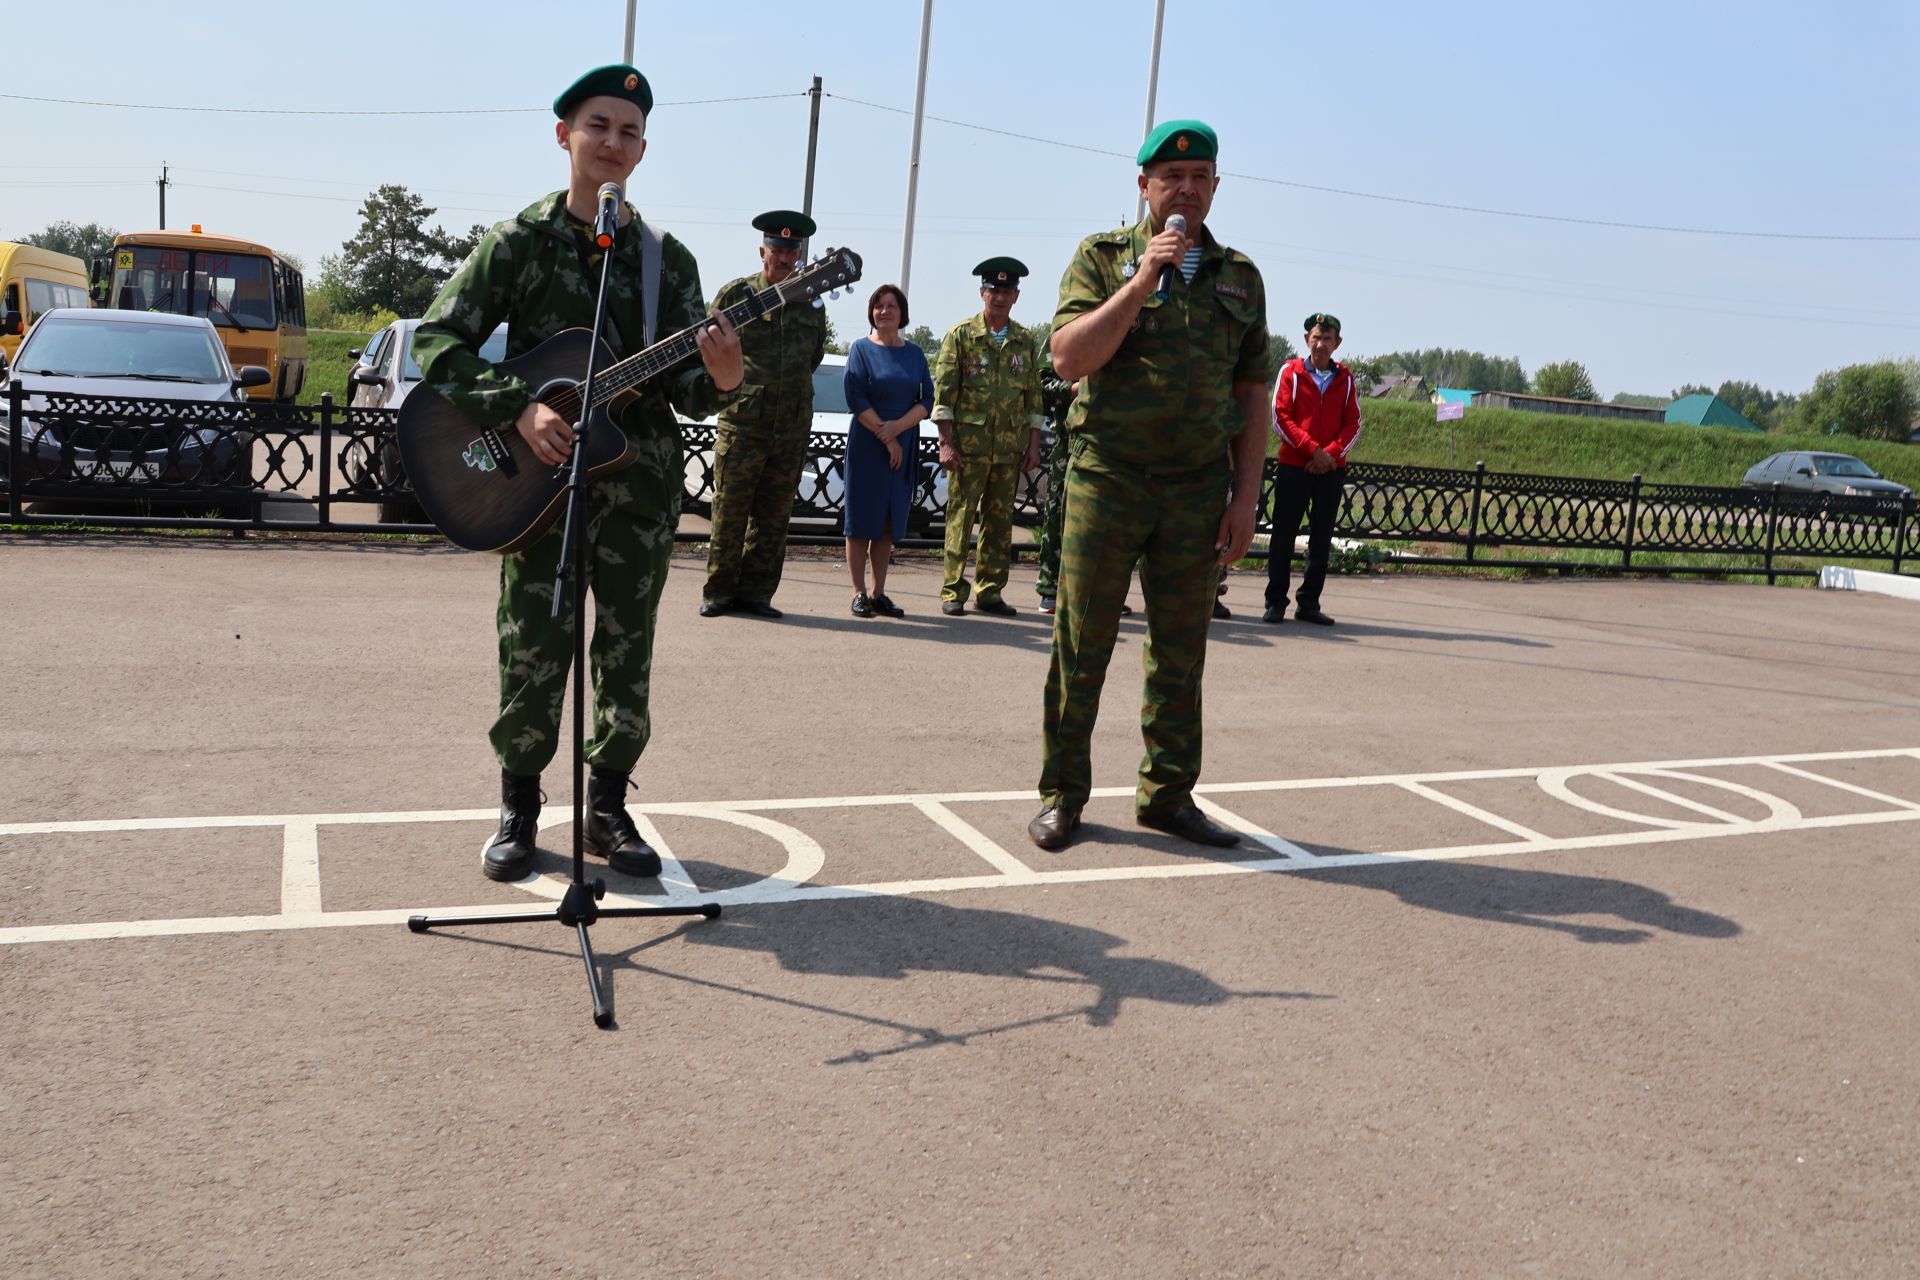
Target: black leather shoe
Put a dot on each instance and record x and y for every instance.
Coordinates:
(610, 830)
(708, 609)
(1190, 824)
(999, 608)
(882, 604)
(862, 606)
(1317, 618)
(509, 855)
(1054, 827)
(1275, 614)
(759, 609)
(953, 608)
(1221, 611)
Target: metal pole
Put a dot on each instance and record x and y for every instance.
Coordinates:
(162, 183)
(627, 56)
(813, 145)
(1153, 90)
(913, 161)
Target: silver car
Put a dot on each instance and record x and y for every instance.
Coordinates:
(153, 357)
(382, 378)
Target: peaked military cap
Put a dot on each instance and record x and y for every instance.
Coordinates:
(615, 81)
(1000, 273)
(784, 227)
(1180, 140)
(1321, 320)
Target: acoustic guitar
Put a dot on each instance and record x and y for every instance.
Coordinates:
(484, 488)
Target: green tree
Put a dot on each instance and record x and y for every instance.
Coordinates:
(1641, 402)
(1566, 378)
(1874, 401)
(84, 241)
(1279, 351)
(924, 338)
(834, 345)
(1453, 367)
(394, 262)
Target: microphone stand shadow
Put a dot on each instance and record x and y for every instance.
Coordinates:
(580, 908)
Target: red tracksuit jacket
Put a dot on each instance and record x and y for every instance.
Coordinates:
(1306, 420)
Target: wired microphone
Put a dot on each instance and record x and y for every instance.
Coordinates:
(608, 220)
(1175, 222)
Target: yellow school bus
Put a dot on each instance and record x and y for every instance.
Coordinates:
(254, 297)
(34, 281)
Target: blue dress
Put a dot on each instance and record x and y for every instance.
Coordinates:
(889, 381)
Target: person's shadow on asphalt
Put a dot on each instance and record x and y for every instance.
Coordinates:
(890, 938)
(1498, 894)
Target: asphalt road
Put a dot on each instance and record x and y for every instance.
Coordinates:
(1578, 939)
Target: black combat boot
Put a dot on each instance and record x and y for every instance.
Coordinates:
(509, 855)
(610, 831)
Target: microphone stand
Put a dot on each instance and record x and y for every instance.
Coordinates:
(580, 908)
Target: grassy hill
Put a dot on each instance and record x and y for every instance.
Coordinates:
(328, 363)
(1557, 445)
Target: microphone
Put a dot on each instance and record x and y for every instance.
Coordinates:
(1175, 222)
(608, 220)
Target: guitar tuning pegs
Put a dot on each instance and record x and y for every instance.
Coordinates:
(819, 303)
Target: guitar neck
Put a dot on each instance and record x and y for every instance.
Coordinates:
(667, 352)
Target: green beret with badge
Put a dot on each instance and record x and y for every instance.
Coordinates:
(1180, 140)
(784, 228)
(1000, 273)
(1321, 320)
(615, 81)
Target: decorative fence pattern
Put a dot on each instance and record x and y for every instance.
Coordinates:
(154, 463)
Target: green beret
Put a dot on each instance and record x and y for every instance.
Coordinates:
(1321, 320)
(616, 81)
(1180, 140)
(784, 227)
(1000, 273)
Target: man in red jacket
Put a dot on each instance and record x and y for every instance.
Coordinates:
(1316, 414)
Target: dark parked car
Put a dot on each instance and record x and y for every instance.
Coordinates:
(169, 433)
(1836, 473)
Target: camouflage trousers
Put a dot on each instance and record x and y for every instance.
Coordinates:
(629, 544)
(984, 486)
(754, 481)
(1167, 526)
(1044, 584)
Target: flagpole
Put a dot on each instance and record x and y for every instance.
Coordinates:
(1153, 90)
(913, 162)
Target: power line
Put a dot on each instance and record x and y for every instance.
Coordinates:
(1410, 200)
(302, 111)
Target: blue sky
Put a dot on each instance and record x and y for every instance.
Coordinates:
(1753, 117)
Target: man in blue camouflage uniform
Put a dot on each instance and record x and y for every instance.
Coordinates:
(539, 272)
(1172, 409)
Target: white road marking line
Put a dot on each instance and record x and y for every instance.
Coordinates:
(1881, 796)
(300, 869)
(1234, 822)
(1678, 801)
(1473, 811)
(975, 839)
(805, 858)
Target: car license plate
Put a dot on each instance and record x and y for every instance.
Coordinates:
(111, 469)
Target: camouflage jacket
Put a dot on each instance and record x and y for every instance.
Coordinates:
(780, 352)
(1164, 402)
(530, 272)
(990, 393)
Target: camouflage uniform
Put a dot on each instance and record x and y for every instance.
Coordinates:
(1056, 393)
(1147, 483)
(539, 272)
(991, 395)
(760, 447)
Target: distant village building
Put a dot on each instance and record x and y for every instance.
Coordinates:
(1398, 386)
(1453, 395)
(1703, 410)
(1561, 404)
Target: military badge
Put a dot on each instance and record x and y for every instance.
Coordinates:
(1127, 271)
(1179, 144)
(633, 82)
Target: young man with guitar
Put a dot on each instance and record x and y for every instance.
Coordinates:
(539, 272)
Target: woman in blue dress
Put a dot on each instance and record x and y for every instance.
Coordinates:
(890, 392)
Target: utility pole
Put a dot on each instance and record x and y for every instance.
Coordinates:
(813, 144)
(163, 182)
(1153, 90)
(913, 162)
(627, 55)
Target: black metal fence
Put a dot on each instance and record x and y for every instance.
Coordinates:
(152, 463)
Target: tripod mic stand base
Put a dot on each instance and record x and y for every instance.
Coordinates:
(579, 910)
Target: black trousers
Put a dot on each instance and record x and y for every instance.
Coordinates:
(1295, 493)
